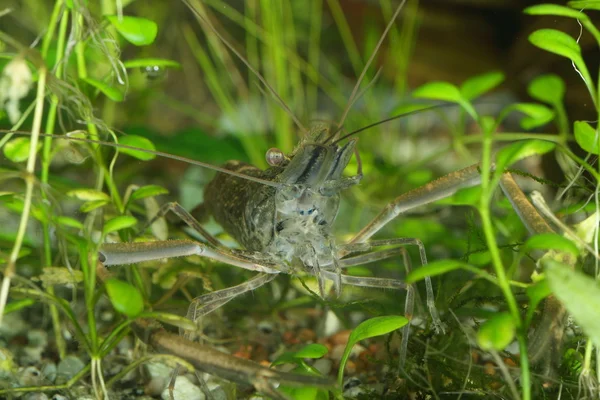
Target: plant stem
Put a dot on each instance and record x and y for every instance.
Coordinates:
(502, 279)
(9, 272)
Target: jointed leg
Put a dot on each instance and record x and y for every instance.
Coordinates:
(186, 217)
(440, 188)
(385, 283)
(203, 305)
(130, 253)
(437, 322)
(546, 339)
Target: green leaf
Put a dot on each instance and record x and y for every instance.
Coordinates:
(109, 91)
(444, 91)
(92, 205)
(148, 191)
(551, 241)
(586, 137)
(88, 194)
(549, 88)
(151, 62)
(118, 223)
(519, 150)
(175, 320)
(555, 9)
(22, 253)
(480, 84)
(585, 4)
(305, 392)
(138, 142)
(469, 196)
(370, 328)
(13, 306)
(536, 293)
(69, 222)
(124, 297)
(435, 268)
(17, 150)
(137, 31)
(580, 295)
(557, 42)
(497, 332)
(536, 114)
(438, 91)
(314, 350)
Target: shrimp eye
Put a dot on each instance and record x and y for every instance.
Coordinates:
(275, 157)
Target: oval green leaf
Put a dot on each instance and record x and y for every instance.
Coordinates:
(17, 150)
(175, 320)
(580, 295)
(88, 194)
(480, 84)
(536, 114)
(585, 4)
(370, 328)
(519, 150)
(555, 9)
(92, 205)
(140, 143)
(314, 350)
(137, 31)
(148, 191)
(68, 222)
(435, 268)
(438, 91)
(124, 297)
(549, 88)
(109, 91)
(447, 92)
(536, 293)
(497, 332)
(557, 42)
(151, 62)
(586, 137)
(551, 241)
(118, 223)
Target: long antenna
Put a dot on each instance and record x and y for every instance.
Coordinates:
(383, 121)
(250, 67)
(368, 64)
(156, 153)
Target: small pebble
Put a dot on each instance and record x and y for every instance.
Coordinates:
(68, 368)
(30, 355)
(49, 371)
(332, 324)
(37, 338)
(323, 365)
(160, 375)
(340, 338)
(184, 390)
(352, 388)
(30, 376)
(12, 325)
